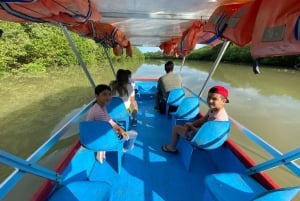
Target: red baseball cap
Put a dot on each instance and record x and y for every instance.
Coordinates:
(220, 90)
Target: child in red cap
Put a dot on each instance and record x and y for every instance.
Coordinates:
(217, 97)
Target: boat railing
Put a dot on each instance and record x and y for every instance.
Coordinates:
(284, 159)
(25, 166)
(279, 157)
(30, 163)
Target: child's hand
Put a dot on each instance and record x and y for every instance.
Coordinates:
(125, 135)
(121, 133)
(188, 125)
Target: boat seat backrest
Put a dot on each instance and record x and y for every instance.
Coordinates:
(175, 96)
(284, 194)
(144, 90)
(174, 99)
(116, 105)
(211, 135)
(98, 136)
(118, 112)
(233, 186)
(189, 108)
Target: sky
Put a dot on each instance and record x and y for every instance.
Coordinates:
(149, 49)
(155, 49)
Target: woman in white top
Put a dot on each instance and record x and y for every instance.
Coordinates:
(122, 88)
(131, 81)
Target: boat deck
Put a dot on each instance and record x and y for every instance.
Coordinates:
(148, 173)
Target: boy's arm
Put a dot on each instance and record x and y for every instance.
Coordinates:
(120, 131)
(198, 123)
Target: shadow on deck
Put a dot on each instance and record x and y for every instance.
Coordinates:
(148, 173)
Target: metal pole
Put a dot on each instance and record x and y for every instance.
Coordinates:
(215, 65)
(183, 60)
(109, 60)
(77, 54)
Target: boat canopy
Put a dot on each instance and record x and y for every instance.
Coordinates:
(174, 26)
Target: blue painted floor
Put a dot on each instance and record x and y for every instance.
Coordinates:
(148, 173)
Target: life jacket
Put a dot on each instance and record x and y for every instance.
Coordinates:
(169, 46)
(62, 11)
(234, 22)
(68, 10)
(113, 37)
(208, 38)
(106, 34)
(189, 39)
(193, 36)
(277, 29)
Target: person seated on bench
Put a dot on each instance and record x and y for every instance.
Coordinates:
(165, 84)
(98, 112)
(216, 99)
(123, 88)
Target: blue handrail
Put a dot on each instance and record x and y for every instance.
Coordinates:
(284, 159)
(19, 163)
(14, 177)
(279, 158)
(39, 153)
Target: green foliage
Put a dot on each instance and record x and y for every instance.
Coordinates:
(35, 67)
(234, 54)
(12, 46)
(154, 55)
(33, 47)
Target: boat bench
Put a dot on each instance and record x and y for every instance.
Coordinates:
(237, 187)
(100, 136)
(145, 92)
(211, 135)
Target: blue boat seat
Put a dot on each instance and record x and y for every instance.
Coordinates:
(211, 135)
(83, 191)
(187, 110)
(174, 99)
(144, 91)
(100, 136)
(236, 187)
(118, 112)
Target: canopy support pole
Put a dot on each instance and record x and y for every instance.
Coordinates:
(215, 65)
(109, 60)
(183, 60)
(78, 56)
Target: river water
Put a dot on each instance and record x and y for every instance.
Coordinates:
(267, 103)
